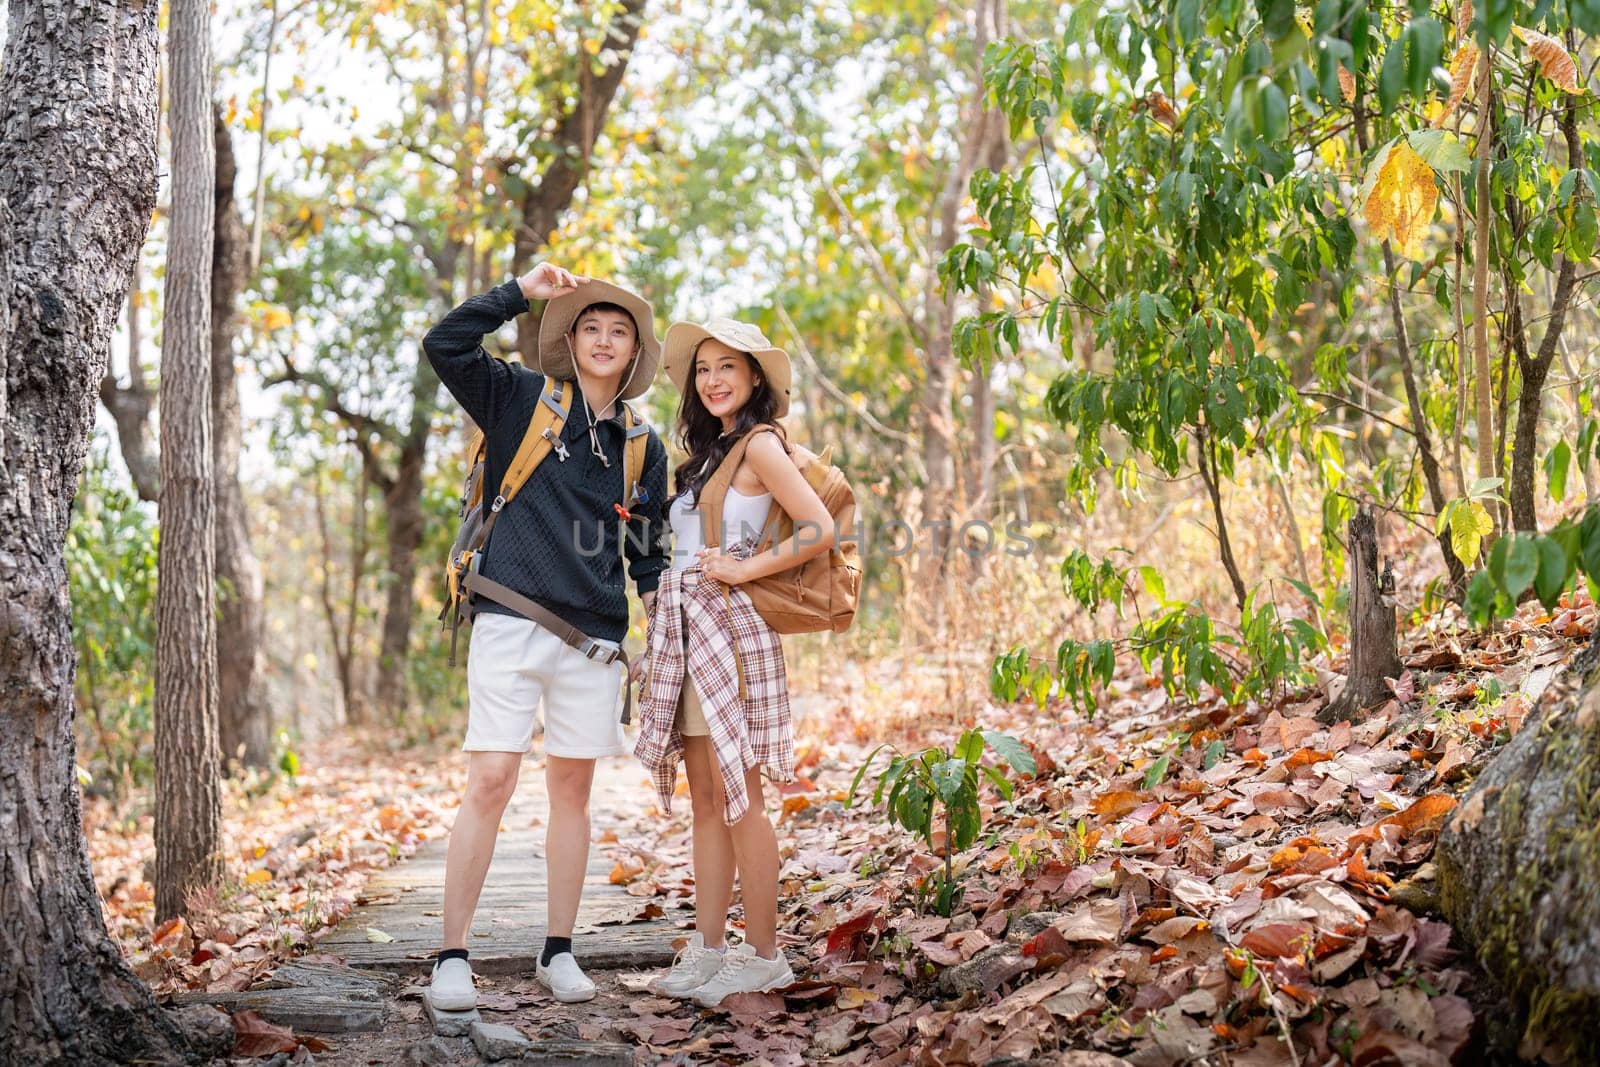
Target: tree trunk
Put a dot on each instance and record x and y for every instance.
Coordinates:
(1374, 655)
(980, 480)
(1518, 862)
(78, 114)
(1480, 271)
(243, 718)
(403, 512)
(130, 406)
(1535, 369)
(548, 197)
(188, 823)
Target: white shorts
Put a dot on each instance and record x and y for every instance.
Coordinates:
(511, 664)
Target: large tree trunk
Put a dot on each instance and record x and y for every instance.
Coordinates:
(243, 718)
(78, 113)
(188, 824)
(1518, 864)
(1374, 655)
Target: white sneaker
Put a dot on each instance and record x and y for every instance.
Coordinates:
(565, 979)
(451, 988)
(692, 969)
(743, 971)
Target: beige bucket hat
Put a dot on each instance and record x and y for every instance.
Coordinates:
(684, 337)
(555, 352)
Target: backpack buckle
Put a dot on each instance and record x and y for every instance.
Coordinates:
(499, 502)
(557, 443)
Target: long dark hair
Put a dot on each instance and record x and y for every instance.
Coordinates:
(700, 433)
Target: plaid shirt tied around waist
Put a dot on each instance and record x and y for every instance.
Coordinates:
(735, 661)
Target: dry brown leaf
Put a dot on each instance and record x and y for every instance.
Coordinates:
(1400, 197)
(1555, 62)
(1116, 803)
(1463, 68)
(1347, 85)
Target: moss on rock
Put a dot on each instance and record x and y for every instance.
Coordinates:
(1519, 875)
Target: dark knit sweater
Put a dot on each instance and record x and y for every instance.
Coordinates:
(557, 542)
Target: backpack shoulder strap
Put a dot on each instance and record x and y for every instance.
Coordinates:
(716, 487)
(636, 441)
(542, 436)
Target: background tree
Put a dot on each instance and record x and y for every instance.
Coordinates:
(66, 996)
(188, 829)
(495, 149)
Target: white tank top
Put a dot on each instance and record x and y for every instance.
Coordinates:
(742, 516)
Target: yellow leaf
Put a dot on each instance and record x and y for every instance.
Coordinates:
(851, 998)
(259, 876)
(1555, 62)
(1462, 70)
(377, 936)
(1399, 196)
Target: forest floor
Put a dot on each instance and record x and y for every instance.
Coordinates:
(1177, 884)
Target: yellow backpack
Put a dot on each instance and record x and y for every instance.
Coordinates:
(542, 437)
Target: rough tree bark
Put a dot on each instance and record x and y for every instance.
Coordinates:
(1374, 654)
(243, 719)
(78, 114)
(1518, 862)
(188, 823)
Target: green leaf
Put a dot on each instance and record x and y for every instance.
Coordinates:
(1522, 563)
(1441, 150)
(1153, 583)
(1156, 773)
(861, 772)
(1555, 469)
(947, 778)
(1011, 751)
(1214, 752)
(1552, 576)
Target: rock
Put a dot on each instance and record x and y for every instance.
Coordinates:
(570, 1052)
(984, 972)
(1517, 863)
(434, 1052)
(449, 1023)
(497, 1041)
(208, 1031)
(1031, 925)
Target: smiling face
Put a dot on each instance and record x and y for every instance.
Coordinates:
(604, 342)
(724, 378)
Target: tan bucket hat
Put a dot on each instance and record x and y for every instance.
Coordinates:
(684, 337)
(555, 352)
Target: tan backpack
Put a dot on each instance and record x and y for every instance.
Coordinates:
(821, 593)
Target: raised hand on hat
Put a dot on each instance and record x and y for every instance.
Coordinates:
(547, 281)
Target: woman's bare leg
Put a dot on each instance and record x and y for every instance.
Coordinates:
(713, 846)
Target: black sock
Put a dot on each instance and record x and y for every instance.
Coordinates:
(553, 947)
(451, 954)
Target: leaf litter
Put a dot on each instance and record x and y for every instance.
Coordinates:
(1242, 908)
